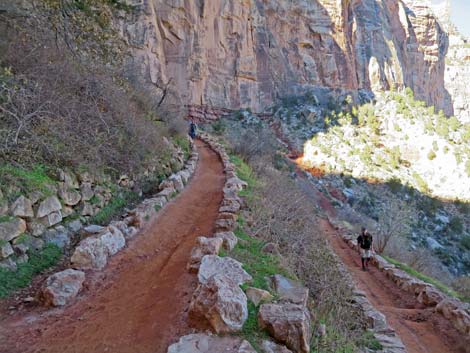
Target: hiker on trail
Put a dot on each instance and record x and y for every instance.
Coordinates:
(364, 240)
(192, 129)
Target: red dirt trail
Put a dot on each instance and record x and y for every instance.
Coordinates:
(139, 303)
(422, 330)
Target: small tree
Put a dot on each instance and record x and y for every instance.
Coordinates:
(394, 220)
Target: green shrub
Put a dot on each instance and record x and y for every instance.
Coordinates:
(431, 155)
(456, 225)
(38, 261)
(395, 185)
(114, 207)
(465, 242)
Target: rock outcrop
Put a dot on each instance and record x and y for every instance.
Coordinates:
(249, 53)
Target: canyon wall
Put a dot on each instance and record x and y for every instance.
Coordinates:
(247, 53)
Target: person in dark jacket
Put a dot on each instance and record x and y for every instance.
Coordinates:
(192, 129)
(364, 240)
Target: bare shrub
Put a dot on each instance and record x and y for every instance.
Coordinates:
(394, 222)
(284, 214)
(56, 108)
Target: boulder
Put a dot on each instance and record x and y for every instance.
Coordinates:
(48, 206)
(221, 302)
(6, 250)
(289, 290)
(203, 343)
(271, 347)
(94, 229)
(69, 196)
(231, 207)
(167, 183)
(230, 240)
(59, 236)
(430, 296)
(22, 207)
(74, 226)
(235, 183)
(12, 229)
(69, 179)
(224, 225)
(21, 248)
(185, 175)
(90, 254)
(212, 265)
(457, 313)
(67, 211)
(52, 219)
(87, 209)
(391, 343)
(36, 228)
(86, 191)
(204, 246)
(177, 182)
(257, 295)
(62, 287)
(113, 241)
(288, 324)
(167, 193)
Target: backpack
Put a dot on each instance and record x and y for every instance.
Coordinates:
(366, 241)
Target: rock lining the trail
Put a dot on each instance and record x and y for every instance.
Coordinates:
(92, 252)
(218, 298)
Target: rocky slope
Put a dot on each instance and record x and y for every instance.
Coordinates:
(248, 53)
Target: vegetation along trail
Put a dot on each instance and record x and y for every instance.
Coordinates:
(138, 303)
(421, 329)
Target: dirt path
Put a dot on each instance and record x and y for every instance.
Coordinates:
(421, 329)
(139, 303)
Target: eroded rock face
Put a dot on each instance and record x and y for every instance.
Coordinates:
(246, 53)
(202, 343)
(287, 323)
(62, 287)
(221, 302)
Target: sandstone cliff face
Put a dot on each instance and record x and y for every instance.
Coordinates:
(247, 53)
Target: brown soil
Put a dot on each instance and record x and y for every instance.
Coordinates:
(140, 302)
(422, 330)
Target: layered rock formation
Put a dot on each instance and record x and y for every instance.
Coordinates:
(247, 53)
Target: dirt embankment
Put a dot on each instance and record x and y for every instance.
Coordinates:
(139, 302)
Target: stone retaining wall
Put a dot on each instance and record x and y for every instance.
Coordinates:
(101, 242)
(58, 208)
(457, 312)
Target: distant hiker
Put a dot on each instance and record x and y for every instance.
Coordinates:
(364, 240)
(192, 129)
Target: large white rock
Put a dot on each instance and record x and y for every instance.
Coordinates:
(221, 302)
(91, 253)
(62, 287)
(22, 207)
(289, 290)
(288, 324)
(12, 229)
(203, 343)
(212, 265)
(113, 240)
(230, 240)
(204, 246)
(48, 206)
